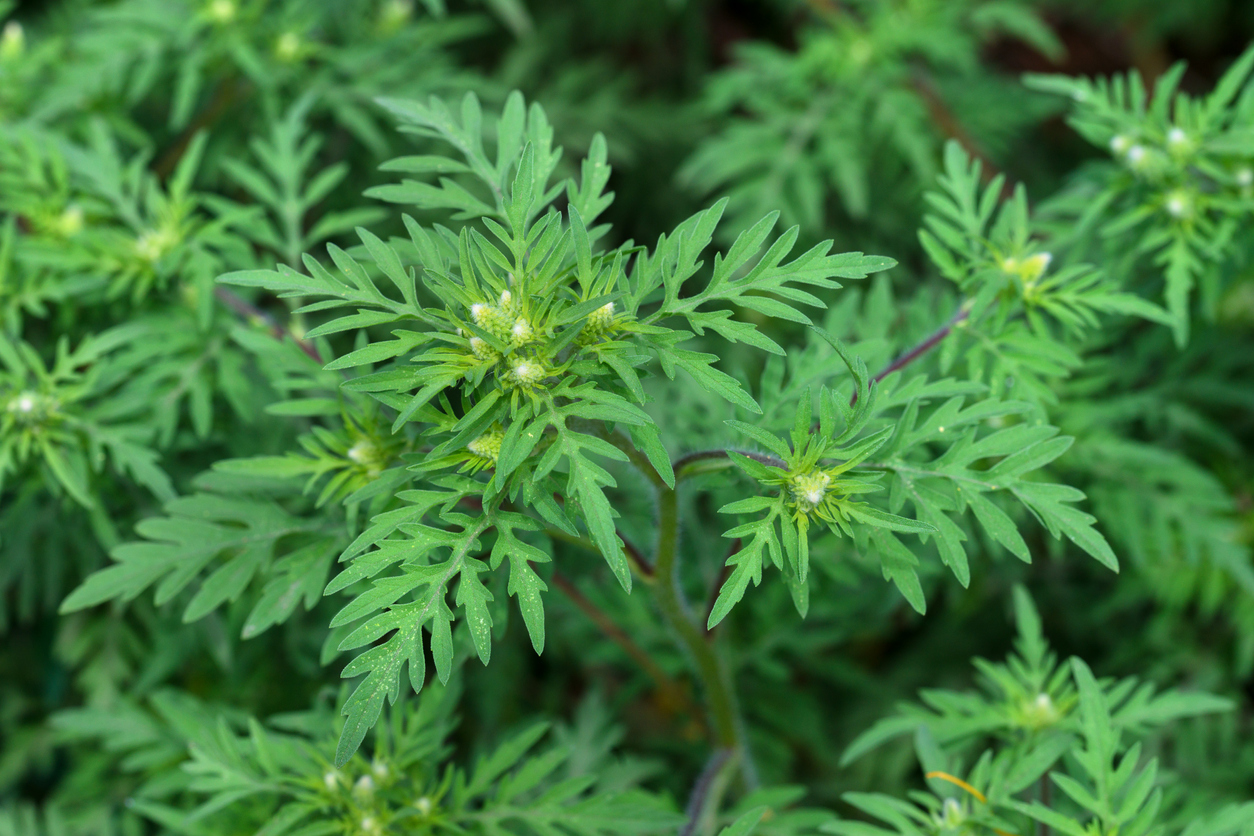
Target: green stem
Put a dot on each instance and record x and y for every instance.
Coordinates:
(708, 461)
(710, 667)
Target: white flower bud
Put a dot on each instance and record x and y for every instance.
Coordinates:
(71, 221)
(1179, 204)
(395, 13)
(222, 11)
(12, 41)
(527, 372)
(287, 47)
(951, 814)
(24, 403)
(488, 445)
(1034, 266)
(521, 333)
(809, 489)
(482, 350)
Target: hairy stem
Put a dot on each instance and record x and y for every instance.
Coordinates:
(706, 793)
(707, 460)
(931, 341)
(710, 668)
(708, 665)
(250, 312)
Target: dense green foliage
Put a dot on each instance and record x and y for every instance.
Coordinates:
(537, 417)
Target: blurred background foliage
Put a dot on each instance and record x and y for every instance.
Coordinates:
(146, 146)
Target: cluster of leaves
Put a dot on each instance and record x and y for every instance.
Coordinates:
(1049, 724)
(206, 769)
(941, 459)
(1178, 188)
(527, 364)
(848, 120)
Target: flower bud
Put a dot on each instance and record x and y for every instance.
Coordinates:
(951, 815)
(809, 489)
(288, 47)
(1179, 204)
(598, 323)
(24, 404)
(495, 320)
(1040, 712)
(222, 11)
(1028, 269)
(603, 316)
(12, 41)
(521, 334)
(394, 14)
(526, 373)
(70, 222)
(152, 245)
(488, 445)
(1034, 266)
(1179, 143)
(367, 456)
(483, 351)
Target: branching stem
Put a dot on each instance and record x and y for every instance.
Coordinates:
(931, 341)
(248, 311)
(703, 801)
(709, 666)
(706, 460)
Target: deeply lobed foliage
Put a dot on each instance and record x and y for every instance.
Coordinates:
(341, 428)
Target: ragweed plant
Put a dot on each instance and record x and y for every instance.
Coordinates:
(847, 125)
(1032, 712)
(290, 460)
(515, 373)
(1180, 177)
